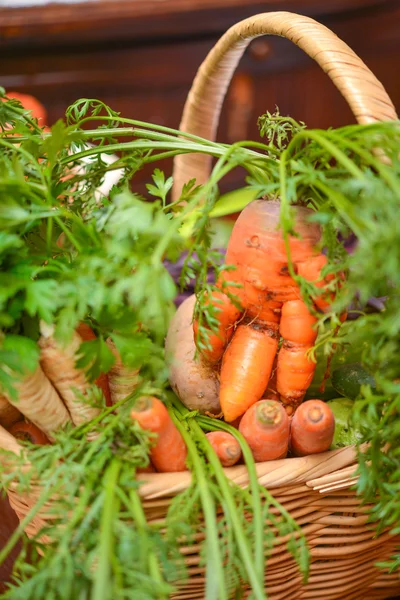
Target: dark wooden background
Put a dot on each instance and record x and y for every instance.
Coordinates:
(140, 56)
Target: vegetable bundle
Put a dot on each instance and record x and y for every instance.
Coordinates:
(71, 259)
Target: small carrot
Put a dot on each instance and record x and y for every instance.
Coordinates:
(28, 431)
(226, 314)
(226, 447)
(246, 368)
(169, 452)
(295, 369)
(40, 403)
(265, 426)
(312, 428)
(9, 414)
(311, 271)
(122, 380)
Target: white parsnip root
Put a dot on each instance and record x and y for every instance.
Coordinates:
(122, 380)
(58, 363)
(40, 403)
(193, 380)
(9, 414)
(10, 444)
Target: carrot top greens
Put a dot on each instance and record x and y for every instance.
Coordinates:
(69, 255)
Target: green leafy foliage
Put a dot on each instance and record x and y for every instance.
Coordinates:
(68, 255)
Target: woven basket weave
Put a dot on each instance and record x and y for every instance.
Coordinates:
(316, 490)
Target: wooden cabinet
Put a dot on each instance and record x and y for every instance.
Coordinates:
(141, 57)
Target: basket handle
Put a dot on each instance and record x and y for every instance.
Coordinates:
(363, 92)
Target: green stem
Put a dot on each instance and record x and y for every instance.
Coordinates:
(216, 425)
(370, 159)
(254, 572)
(215, 580)
(180, 145)
(101, 588)
(141, 523)
(334, 150)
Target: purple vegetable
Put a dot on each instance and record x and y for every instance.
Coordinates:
(175, 269)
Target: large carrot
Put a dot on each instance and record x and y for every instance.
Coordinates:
(40, 403)
(227, 314)
(265, 426)
(258, 251)
(9, 414)
(71, 383)
(295, 369)
(246, 368)
(122, 380)
(169, 452)
(226, 447)
(312, 428)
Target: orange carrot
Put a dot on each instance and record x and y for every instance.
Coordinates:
(258, 251)
(312, 428)
(28, 431)
(227, 314)
(295, 369)
(9, 414)
(265, 426)
(246, 368)
(169, 452)
(226, 447)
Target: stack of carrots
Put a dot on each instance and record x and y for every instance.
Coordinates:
(260, 351)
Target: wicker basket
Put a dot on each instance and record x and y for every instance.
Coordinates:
(316, 490)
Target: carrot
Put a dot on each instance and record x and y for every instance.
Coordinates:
(311, 271)
(312, 428)
(227, 314)
(226, 447)
(59, 365)
(265, 426)
(87, 334)
(258, 251)
(9, 414)
(169, 452)
(40, 403)
(246, 368)
(122, 380)
(28, 431)
(295, 369)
